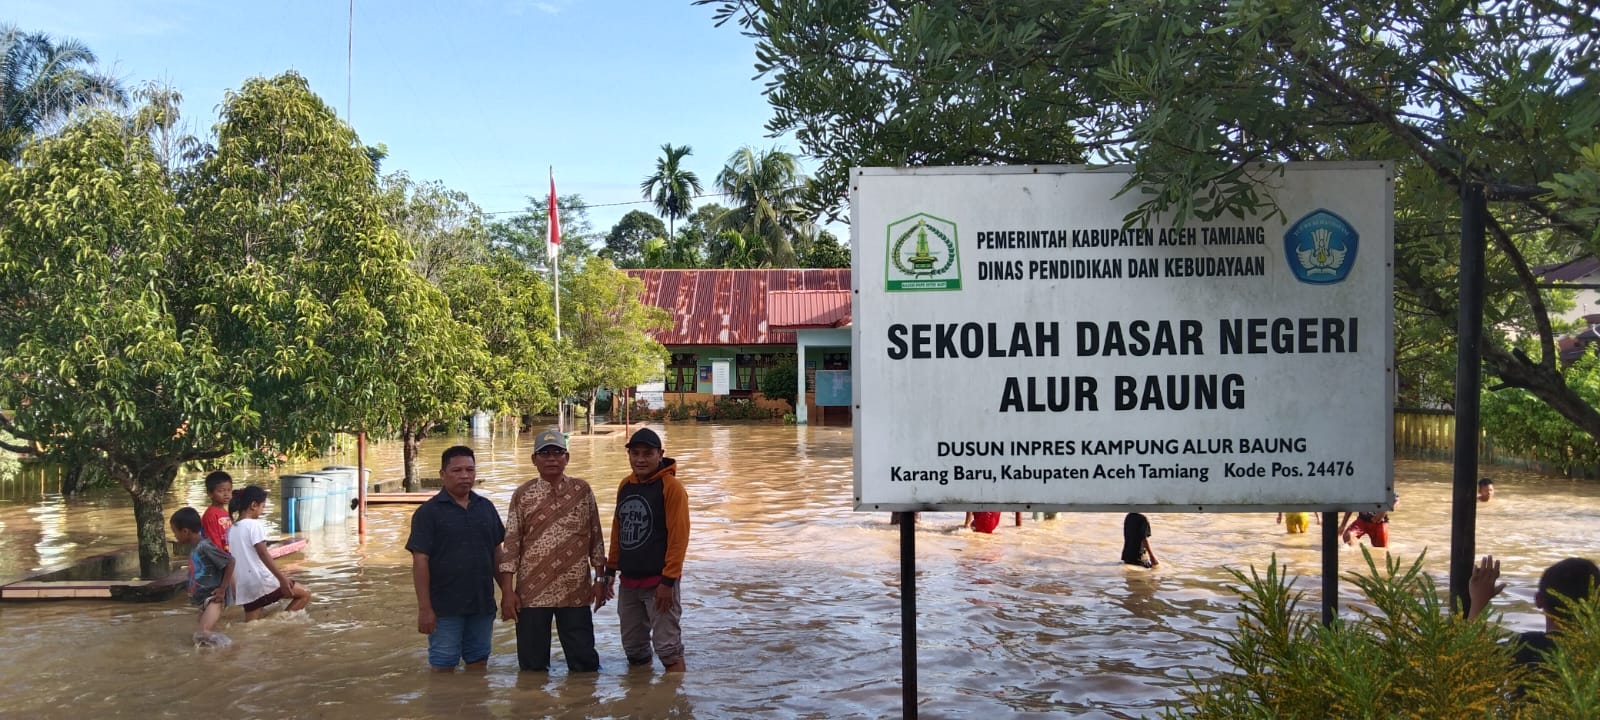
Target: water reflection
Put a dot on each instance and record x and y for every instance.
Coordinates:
(791, 599)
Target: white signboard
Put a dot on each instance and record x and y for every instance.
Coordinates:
(719, 377)
(1017, 348)
(652, 393)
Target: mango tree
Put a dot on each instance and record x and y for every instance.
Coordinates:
(241, 306)
(442, 365)
(610, 333)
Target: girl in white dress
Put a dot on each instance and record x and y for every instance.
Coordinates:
(257, 581)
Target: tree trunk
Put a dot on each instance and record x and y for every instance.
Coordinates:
(75, 479)
(592, 397)
(150, 514)
(411, 438)
(147, 490)
(1546, 384)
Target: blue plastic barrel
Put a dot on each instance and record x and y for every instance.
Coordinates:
(308, 492)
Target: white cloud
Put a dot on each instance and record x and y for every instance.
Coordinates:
(548, 7)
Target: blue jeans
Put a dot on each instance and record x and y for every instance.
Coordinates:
(460, 639)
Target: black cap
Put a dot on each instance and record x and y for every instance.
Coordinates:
(645, 437)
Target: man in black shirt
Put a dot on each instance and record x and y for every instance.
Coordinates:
(455, 549)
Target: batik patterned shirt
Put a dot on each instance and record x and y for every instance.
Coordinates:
(552, 541)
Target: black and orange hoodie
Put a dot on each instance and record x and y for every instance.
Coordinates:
(650, 529)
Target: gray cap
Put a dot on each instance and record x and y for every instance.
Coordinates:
(549, 437)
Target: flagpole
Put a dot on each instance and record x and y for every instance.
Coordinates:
(553, 249)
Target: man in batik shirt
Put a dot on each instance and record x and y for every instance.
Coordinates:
(553, 551)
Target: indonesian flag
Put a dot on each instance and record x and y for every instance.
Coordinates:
(555, 221)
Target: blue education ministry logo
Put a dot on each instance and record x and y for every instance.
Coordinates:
(1321, 248)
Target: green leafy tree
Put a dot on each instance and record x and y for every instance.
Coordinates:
(825, 251)
(443, 363)
(730, 249)
(682, 252)
(625, 242)
(42, 81)
(1203, 98)
(100, 362)
(295, 264)
(157, 117)
(672, 188)
(442, 227)
(509, 305)
(610, 333)
(691, 246)
(764, 187)
(245, 313)
(525, 235)
(1520, 424)
(440, 366)
(782, 381)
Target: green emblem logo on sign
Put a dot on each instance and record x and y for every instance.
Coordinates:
(923, 254)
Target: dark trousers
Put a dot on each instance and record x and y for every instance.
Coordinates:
(574, 625)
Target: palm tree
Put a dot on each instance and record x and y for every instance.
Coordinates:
(672, 188)
(42, 82)
(764, 188)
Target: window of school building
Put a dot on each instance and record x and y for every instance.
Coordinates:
(680, 373)
(750, 369)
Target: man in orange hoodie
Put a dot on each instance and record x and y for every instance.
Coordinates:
(649, 538)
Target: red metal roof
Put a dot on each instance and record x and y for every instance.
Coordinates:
(1568, 271)
(729, 307)
(792, 309)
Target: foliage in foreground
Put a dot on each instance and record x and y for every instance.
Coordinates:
(1406, 658)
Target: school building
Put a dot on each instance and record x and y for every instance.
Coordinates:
(743, 323)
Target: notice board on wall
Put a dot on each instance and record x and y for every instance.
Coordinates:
(833, 388)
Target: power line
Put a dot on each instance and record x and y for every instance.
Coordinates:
(587, 206)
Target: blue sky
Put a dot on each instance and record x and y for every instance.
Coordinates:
(483, 95)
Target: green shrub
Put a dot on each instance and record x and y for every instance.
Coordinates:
(1409, 658)
(782, 380)
(1525, 426)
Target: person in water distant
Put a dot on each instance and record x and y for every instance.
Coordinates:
(1298, 522)
(1374, 525)
(984, 522)
(1136, 541)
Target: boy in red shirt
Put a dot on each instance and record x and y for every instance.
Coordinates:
(216, 521)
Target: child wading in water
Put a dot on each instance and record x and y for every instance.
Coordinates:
(257, 581)
(216, 520)
(210, 573)
(1136, 541)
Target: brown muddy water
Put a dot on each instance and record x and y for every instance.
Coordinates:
(791, 605)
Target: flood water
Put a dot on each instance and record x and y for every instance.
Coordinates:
(791, 603)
